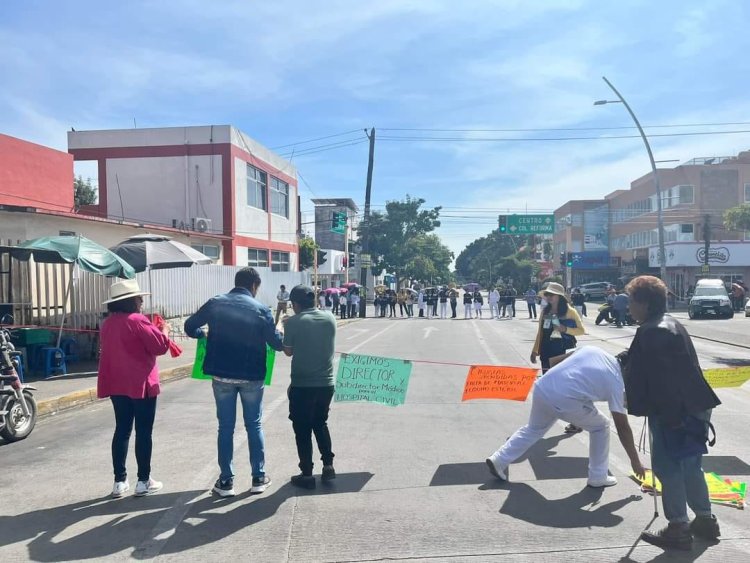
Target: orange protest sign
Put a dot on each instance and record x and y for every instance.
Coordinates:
(498, 382)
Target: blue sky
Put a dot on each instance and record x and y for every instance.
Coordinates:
(289, 71)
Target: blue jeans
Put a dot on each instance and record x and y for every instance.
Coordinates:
(251, 395)
(682, 480)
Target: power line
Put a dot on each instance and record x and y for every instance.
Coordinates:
(546, 139)
(324, 148)
(315, 139)
(542, 129)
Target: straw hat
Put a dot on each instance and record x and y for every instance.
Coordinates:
(554, 288)
(124, 290)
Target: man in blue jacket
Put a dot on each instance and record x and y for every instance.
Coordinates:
(239, 327)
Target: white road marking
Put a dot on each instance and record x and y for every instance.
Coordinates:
(357, 332)
(428, 330)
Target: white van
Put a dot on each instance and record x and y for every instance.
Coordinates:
(710, 297)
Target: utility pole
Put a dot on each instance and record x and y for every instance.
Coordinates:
(706, 240)
(346, 251)
(366, 224)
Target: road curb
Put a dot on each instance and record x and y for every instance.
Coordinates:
(83, 397)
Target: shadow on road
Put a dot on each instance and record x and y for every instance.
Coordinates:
(725, 465)
(581, 510)
(87, 529)
(103, 527)
(215, 526)
(541, 456)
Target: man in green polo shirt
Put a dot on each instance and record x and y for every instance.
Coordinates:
(309, 338)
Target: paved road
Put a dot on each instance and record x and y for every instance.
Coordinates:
(412, 482)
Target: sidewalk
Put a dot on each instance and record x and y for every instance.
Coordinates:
(78, 388)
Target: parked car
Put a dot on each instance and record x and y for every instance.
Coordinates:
(710, 297)
(594, 290)
(747, 309)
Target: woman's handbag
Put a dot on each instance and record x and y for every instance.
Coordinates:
(569, 341)
(690, 438)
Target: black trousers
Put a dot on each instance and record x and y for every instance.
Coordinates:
(453, 309)
(127, 411)
(532, 310)
(308, 411)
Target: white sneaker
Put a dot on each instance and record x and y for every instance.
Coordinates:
(120, 488)
(609, 481)
(149, 487)
(496, 470)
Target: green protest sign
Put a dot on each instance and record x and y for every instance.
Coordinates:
(372, 379)
(200, 356)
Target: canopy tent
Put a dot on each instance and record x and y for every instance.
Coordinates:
(83, 253)
(158, 252)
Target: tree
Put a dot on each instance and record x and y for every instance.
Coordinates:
(738, 218)
(429, 259)
(307, 249)
(393, 234)
(486, 253)
(84, 193)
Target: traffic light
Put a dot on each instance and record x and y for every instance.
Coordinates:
(352, 258)
(569, 259)
(321, 256)
(562, 259)
(502, 221)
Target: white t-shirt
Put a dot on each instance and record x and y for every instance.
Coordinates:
(590, 374)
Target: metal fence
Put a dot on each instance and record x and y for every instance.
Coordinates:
(36, 293)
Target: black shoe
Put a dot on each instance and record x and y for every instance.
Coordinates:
(260, 484)
(675, 536)
(572, 429)
(303, 481)
(705, 527)
(328, 473)
(224, 488)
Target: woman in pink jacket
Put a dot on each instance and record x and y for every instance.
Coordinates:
(128, 375)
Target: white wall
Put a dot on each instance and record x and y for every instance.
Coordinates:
(250, 221)
(26, 226)
(150, 137)
(154, 190)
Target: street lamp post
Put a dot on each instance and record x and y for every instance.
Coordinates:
(659, 215)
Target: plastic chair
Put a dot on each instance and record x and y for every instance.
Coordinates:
(70, 348)
(54, 361)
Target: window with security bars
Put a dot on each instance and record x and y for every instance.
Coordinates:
(257, 181)
(257, 258)
(279, 197)
(279, 261)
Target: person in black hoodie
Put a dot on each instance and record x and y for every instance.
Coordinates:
(664, 381)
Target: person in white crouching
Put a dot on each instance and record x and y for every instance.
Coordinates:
(568, 392)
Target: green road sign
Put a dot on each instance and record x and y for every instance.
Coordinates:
(338, 223)
(531, 224)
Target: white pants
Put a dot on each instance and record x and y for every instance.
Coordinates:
(544, 413)
(429, 311)
(494, 310)
(478, 309)
(443, 310)
(467, 310)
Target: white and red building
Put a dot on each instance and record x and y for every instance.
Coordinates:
(203, 181)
